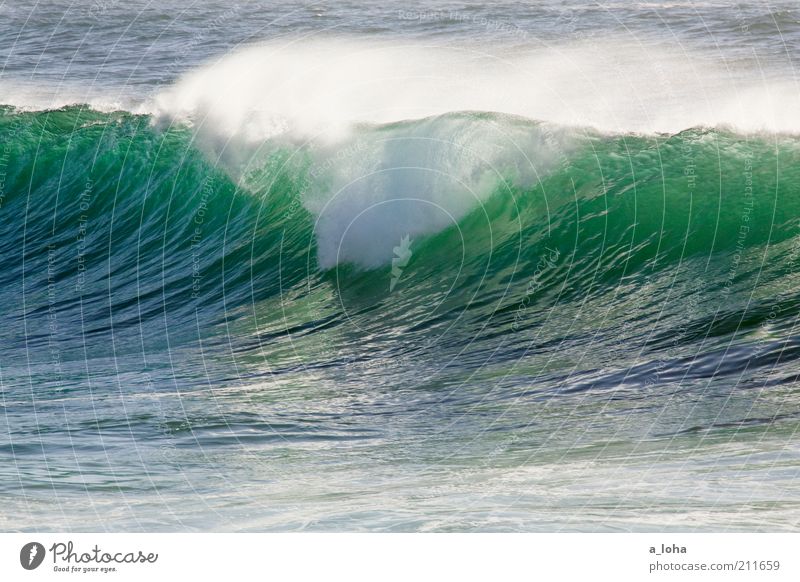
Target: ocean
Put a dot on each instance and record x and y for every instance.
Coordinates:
(434, 266)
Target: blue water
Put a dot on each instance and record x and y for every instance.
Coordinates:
(279, 266)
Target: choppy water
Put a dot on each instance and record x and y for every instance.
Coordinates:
(282, 266)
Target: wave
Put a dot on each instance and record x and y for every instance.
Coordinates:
(465, 219)
(321, 88)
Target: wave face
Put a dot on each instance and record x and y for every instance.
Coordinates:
(413, 285)
(412, 237)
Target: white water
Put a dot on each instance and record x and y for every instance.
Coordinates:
(322, 87)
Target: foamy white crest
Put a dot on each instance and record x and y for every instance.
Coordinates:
(418, 178)
(322, 87)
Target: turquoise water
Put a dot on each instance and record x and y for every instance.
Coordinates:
(444, 268)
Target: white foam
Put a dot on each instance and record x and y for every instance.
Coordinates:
(418, 178)
(324, 86)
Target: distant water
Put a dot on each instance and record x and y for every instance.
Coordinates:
(444, 267)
